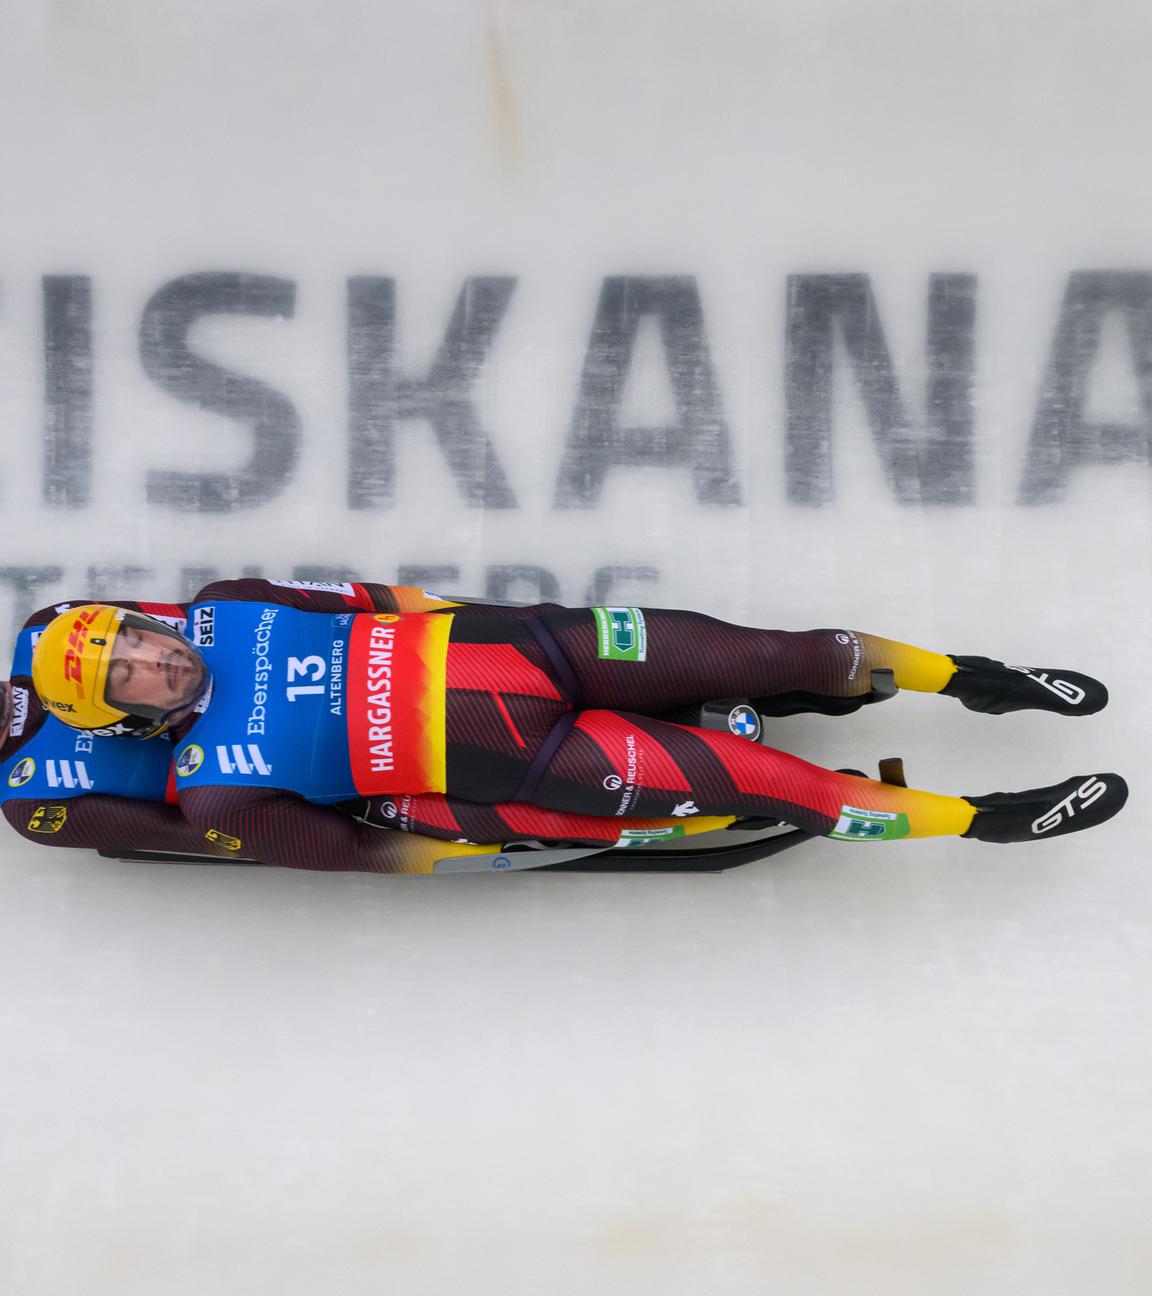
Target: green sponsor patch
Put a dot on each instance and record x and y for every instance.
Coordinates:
(621, 634)
(855, 824)
(641, 836)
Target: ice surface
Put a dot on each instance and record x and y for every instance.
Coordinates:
(880, 273)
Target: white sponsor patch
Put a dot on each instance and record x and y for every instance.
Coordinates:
(204, 627)
(324, 587)
(19, 711)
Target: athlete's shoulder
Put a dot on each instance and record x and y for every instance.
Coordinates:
(166, 611)
(310, 596)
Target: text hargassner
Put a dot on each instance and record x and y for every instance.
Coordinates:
(263, 666)
(379, 714)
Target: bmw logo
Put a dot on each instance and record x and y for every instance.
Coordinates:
(22, 773)
(744, 722)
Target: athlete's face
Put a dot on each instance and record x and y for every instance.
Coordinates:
(154, 670)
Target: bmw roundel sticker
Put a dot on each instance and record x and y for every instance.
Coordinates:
(744, 722)
(190, 760)
(22, 772)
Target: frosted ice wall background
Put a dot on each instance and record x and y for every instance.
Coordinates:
(881, 275)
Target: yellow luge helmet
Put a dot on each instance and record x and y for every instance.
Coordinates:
(70, 665)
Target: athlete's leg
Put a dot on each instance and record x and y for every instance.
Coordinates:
(652, 659)
(502, 701)
(506, 688)
(612, 763)
(648, 659)
(432, 814)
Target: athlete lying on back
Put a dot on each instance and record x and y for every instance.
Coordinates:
(471, 722)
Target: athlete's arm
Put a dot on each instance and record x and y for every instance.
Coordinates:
(95, 822)
(276, 827)
(354, 596)
(322, 596)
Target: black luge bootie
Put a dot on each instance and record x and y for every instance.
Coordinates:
(1068, 807)
(990, 686)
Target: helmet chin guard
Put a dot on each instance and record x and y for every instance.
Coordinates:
(72, 664)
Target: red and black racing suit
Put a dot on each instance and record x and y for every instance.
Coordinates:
(539, 722)
(545, 738)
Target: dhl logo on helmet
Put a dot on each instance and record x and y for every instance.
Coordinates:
(77, 642)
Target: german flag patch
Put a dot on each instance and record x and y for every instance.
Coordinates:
(222, 839)
(48, 818)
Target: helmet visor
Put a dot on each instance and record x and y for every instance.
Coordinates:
(153, 671)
